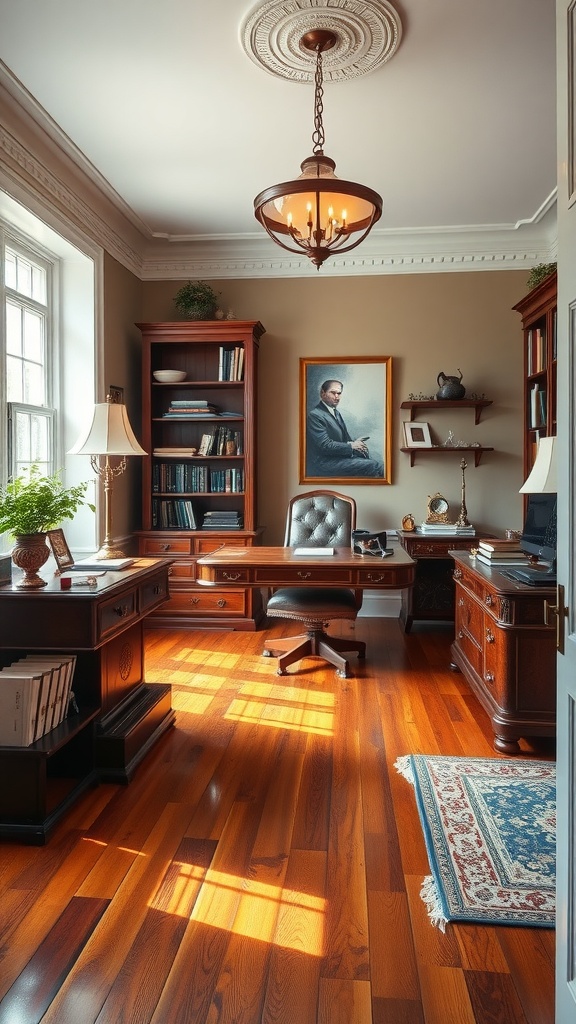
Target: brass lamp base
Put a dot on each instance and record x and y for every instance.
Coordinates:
(108, 551)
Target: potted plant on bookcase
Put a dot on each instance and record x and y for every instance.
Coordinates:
(30, 505)
(196, 300)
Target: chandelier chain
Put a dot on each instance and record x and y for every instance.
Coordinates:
(318, 133)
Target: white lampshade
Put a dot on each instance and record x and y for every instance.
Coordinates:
(109, 433)
(543, 477)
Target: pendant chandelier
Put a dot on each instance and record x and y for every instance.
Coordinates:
(318, 214)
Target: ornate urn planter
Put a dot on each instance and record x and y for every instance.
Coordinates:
(29, 554)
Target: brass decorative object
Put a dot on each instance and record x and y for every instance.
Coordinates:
(463, 514)
(437, 509)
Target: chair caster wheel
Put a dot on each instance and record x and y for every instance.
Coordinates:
(266, 654)
(281, 672)
(343, 673)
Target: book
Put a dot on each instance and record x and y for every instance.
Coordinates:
(502, 556)
(100, 563)
(501, 561)
(19, 690)
(498, 545)
(314, 551)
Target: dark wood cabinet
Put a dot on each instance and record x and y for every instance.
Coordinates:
(432, 596)
(506, 650)
(184, 484)
(119, 715)
(538, 312)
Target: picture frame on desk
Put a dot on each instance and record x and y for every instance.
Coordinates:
(346, 420)
(60, 550)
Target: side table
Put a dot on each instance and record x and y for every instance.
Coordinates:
(432, 596)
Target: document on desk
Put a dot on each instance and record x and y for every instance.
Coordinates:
(313, 551)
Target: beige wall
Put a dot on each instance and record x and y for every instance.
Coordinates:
(122, 364)
(427, 323)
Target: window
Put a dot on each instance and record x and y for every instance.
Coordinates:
(27, 354)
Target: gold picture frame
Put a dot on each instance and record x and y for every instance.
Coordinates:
(354, 447)
(60, 549)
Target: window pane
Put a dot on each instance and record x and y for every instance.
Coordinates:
(23, 276)
(33, 340)
(13, 328)
(10, 269)
(38, 438)
(14, 379)
(39, 284)
(33, 384)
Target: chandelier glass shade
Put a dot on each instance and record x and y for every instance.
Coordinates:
(318, 213)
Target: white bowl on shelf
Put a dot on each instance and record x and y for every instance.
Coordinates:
(169, 376)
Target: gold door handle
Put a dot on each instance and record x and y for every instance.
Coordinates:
(560, 611)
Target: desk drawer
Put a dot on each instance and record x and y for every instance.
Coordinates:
(302, 575)
(153, 592)
(203, 601)
(115, 614)
(166, 545)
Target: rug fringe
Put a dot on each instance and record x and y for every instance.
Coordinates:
(403, 765)
(430, 896)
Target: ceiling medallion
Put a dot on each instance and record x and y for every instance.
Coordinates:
(367, 34)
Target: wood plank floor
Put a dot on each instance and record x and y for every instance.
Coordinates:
(264, 865)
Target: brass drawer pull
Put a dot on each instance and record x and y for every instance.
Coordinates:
(489, 600)
(460, 634)
(122, 610)
(489, 677)
(231, 576)
(221, 603)
(375, 577)
(158, 589)
(194, 600)
(304, 575)
(457, 574)
(490, 638)
(460, 602)
(164, 547)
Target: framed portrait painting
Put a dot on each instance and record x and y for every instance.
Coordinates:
(345, 420)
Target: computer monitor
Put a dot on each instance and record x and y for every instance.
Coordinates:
(539, 533)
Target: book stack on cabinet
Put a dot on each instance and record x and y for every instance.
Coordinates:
(35, 694)
(199, 478)
(492, 551)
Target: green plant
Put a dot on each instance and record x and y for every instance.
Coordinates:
(33, 503)
(196, 300)
(538, 273)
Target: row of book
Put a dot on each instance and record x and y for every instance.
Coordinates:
(177, 514)
(231, 362)
(35, 694)
(536, 350)
(500, 552)
(221, 441)
(185, 478)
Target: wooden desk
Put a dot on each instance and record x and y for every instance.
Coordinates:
(120, 716)
(280, 567)
(506, 651)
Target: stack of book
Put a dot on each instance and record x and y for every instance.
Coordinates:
(447, 529)
(221, 520)
(35, 694)
(500, 552)
(188, 408)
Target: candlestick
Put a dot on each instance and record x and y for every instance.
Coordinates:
(463, 515)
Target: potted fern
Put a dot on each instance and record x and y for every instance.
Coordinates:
(196, 300)
(30, 505)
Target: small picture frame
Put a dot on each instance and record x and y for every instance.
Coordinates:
(116, 395)
(60, 549)
(417, 435)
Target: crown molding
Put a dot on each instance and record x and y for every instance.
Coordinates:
(38, 157)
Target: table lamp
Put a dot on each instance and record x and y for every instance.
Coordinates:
(542, 478)
(109, 434)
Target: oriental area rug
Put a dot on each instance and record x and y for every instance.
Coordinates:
(490, 832)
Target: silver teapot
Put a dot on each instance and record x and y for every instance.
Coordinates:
(451, 388)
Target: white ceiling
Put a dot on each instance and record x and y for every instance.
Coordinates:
(456, 131)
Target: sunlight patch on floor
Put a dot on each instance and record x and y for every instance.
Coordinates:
(282, 716)
(261, 911)
(276, 691)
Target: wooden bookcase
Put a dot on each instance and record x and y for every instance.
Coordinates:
(538, 312)
(181, 491)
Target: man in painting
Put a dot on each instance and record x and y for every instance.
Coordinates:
(330, 450)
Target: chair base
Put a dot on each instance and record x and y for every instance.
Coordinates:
(314, 643)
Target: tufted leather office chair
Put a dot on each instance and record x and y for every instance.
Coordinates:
(316, 519)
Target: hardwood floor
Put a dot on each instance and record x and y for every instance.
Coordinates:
(264, 865)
